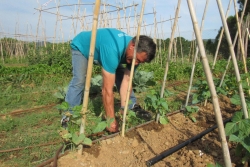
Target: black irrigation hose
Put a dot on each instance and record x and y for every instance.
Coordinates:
(166, 153)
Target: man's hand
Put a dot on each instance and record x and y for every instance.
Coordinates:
(114, 126)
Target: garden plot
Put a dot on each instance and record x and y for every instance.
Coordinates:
(146, 142)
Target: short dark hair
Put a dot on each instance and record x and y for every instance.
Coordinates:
(146, 44)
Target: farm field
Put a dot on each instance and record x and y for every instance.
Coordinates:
(144, 143)
(35, 125)
(33, 89)
(195, 81)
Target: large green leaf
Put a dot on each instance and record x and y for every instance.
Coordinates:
(244, 126)
(100, 127)
(237, 117)
(246, 143)
(195, 99)
(163, 120)
(234, 138)
(231, 127)
(64, 106)
(235, 99)
(164, 105)
(87, 141)
(78, 139)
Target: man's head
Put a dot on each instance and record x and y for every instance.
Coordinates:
(145, 51)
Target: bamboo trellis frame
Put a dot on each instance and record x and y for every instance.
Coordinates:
(132, 70)
(240, 41)
(209, 77)
(89, 70)
(169, 53)
(220, 38)
(232, 55)
(196, 55)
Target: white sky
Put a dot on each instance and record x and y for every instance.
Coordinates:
(20, 17)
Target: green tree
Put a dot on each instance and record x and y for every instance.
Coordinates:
(241, 5)
(210, 47)
(232, 26)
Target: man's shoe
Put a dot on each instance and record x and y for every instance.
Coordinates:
(64, 121)
(141, 113)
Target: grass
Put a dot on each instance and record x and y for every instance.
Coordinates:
(29, 130)
(29, 94)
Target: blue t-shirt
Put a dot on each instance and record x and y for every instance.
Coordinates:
(110, 47)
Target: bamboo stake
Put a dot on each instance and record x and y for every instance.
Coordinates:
(162, 53)
(196, 55)
(132, 69)
(54, 38)
(171, 56)
(38, 26)
(220, 38)
(235, 39)
(191, 46)
(128, 22)
(209, 77)
(169, 53)
(155, 38)
(241, 45)
(1, 42)
(246, 37)
(89, 71)
(164, 46)
(239, 30)
(78, 13)
(180, 44)
(232, 55)
(135, 20)
(248, 33)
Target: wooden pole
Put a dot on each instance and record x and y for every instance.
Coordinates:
(180, 45)
(246, 36)
(232, 55)
(240, 41)
(220, 38)
(1, 47)
(132, 69)
(170, 47)
(209, 77)
(196, 55)
(89, 71)
(169, 53)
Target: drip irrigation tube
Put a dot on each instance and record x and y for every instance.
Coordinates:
(166, 153)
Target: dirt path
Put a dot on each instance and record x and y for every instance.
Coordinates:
(146, 142)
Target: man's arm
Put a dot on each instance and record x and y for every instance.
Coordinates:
(124, 86)
(108, 98)
(107, 93)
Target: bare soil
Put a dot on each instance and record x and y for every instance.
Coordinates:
(142, 144)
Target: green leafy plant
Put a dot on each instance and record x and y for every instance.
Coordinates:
(235, 99)
(239, 132)
(131, 119)
(96, 84)
(71, 134)
(202, 92)
(157, 104)
(142, 80)
(61, 92)
(190, 110)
